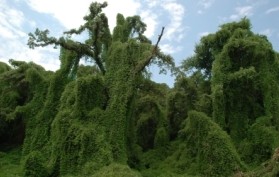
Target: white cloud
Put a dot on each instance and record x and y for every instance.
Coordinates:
(234, 17)
(150, 19)
(167, 48)
(152, 3)
(199, 12)
(246, 10)
(170, 8)
(11, 21)
(18, 50)
(272, 10)
(206, 3)
(179, 37)
(13, 40)
(267, 32)
(71, 16)
(176, 12)
(32, 24)
(241, 12)
(149, 15)
(222, 19)
(71, 13)
(7, 33)
(203, 34)
(16, 18)
(73, 20)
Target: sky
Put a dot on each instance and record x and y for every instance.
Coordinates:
(185, 23)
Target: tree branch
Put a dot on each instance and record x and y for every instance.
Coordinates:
(144, 63)
(40, 39)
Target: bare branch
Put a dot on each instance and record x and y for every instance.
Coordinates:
(144, 63)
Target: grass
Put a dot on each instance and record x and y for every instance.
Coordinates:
(10, 163)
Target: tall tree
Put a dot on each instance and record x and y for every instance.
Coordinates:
(243, 70)
(244, 84)
(122, 58)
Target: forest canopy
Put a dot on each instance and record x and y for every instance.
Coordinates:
(110, 119)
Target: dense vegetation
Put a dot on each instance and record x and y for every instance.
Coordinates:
(220, 119)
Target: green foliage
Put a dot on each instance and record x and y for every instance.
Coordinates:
(10, 163)
(211, 45)
(181, 100)
(203, 57)
(203, 149)
(116, 170)
(78, 139)
(261, 142)
(55, 86)
(87, 150)
(161, 139)
(87, 70)
(125, 62)
(33, 165)
(150, 118)
(269, 168)
(244, 88)
(208, 150)
(32, 108)
(16, 92)
(109, 118)
(4, 67)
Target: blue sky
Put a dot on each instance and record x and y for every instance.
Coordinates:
(185, 22)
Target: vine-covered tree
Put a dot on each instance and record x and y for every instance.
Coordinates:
(105, 99)
(243, 69)
(110, 119)
(244, 84)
